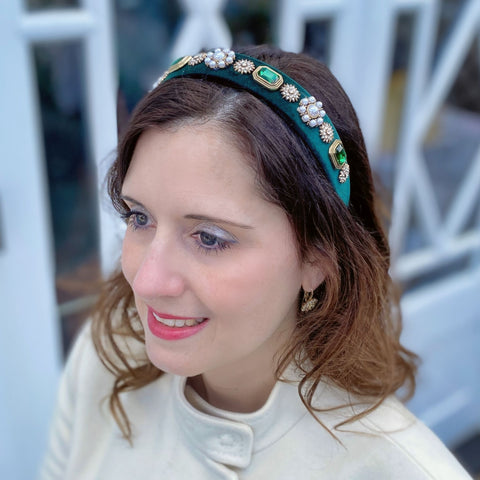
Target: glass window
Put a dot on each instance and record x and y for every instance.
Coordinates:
(71, 179)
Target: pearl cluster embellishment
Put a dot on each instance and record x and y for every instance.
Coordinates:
(219, 58)
(311, 111)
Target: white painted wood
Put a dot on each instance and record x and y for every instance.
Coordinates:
(55, 25)
(442, 319)
(204, 27)
(29, 330)
(440, 313)
(460, 39)
(101, 86)
(361, 58)
(408, 157)
(441, 324)
(292, 16)
(423, 261)
(466, 200)
(413, 186)
(30, 350)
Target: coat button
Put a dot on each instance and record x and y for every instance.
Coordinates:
(227, 440)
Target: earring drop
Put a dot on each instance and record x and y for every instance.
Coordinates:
(309, 302)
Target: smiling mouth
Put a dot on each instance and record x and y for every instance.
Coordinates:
(178, 322)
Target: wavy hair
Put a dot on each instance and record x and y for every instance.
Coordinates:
(352, 338)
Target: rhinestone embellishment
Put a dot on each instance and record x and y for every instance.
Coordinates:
(309, 302)
(219, 58)
(309, 306)
(244, 66)
(196, 59)
(326, 132)
(290, 93)
(344, 173)
(160, 79)
(311, 111)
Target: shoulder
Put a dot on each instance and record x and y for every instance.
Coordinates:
(388, 442)
(91, 380)
(410, 442)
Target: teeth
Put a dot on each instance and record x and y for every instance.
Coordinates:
(170, 322)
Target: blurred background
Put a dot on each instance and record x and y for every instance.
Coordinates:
(411, 68)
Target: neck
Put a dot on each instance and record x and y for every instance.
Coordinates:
(243, 387)
(242, 393)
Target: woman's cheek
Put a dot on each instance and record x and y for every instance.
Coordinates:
(128, 261)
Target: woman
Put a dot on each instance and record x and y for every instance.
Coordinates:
(252, 330)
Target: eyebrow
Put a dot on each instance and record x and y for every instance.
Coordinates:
(206, 218)
(126, 198)
(194, 216)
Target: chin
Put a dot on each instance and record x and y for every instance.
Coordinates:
(171, 363)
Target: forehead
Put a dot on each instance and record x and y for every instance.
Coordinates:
(193, 148)
(200, 161)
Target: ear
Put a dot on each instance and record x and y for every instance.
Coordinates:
(312, 275)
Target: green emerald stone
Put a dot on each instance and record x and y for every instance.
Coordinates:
(340, 154)
(177, 60)
(268, 75)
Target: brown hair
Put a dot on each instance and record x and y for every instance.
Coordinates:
(352, 338)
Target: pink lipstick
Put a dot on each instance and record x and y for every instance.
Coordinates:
(172, 327)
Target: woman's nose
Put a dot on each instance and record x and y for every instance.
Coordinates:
(159, 273)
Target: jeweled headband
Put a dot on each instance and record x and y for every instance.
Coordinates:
(287, 98)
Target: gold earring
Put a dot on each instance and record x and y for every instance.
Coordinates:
(309, 302)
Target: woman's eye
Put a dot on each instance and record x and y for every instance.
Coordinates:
(208, 239)
(140, 219)
(211, 242)
(136, 219)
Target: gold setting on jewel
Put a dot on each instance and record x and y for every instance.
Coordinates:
(326, 132)
(196, 59)
(244, 66)
(309, 302)
(180, 63)
(176, 65)
(337, 154)
(338, 157)
(290, 92)
(267, 77)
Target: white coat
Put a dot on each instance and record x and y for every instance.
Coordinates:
(177, 435)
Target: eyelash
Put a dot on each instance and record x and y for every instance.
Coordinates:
(220, 244)
(131, 218)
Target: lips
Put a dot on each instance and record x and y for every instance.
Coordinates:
(172, 327)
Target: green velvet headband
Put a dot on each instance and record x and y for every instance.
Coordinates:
(303, 112)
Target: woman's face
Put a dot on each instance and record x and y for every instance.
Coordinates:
(213, 266)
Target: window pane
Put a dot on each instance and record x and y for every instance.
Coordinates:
(71, 175)
(50, 4)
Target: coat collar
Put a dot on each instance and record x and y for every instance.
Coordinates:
(232, 438)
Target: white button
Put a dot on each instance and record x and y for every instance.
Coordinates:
(227, 440)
